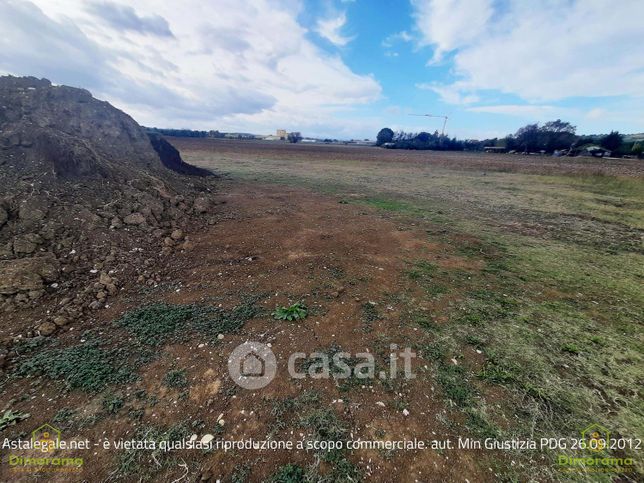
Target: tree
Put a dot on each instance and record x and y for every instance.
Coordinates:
(612, 141)
(557, 135)
(294, 137)
(527, 138)
(637, 149)
(385, 135)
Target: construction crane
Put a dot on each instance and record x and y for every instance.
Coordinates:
(432, 115)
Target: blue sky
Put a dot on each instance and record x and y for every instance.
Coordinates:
(341, 68)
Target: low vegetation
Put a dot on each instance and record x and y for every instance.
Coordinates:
(296, 311)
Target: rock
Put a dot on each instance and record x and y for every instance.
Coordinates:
(134, 219)
(116, 223)
(101, 295)
(22, 246)
(169, 242)
(220, 337)
(207, 438)
(35, 294)
(61, 321)
(27, 274)
(201, 204)
(187, 245)
(176, 235)
(221, 422)
(405, 412)
(112, 289)
(47, 328)
(105, 279)
(32, 211)
(95, 305)
(380, 403)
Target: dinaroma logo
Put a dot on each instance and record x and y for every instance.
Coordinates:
(45, 440)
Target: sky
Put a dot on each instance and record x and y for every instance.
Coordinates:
(341, 68)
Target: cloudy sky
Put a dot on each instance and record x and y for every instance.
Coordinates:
(341, 68)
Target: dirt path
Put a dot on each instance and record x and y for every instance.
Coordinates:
(280, 245)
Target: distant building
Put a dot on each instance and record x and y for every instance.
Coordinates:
(281, 133)
(272, 137)
(494, 149)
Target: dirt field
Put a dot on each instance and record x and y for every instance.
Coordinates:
(515, 280)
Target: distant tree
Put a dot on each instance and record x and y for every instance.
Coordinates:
(385, 135)
(612, 141)
(637, 149)
(294, 137)
(528, 138)
(557, 135)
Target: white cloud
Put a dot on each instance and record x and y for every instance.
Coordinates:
(539, 51)
(331, 29)
(450, 24)
(451, 94)
(392, 39)
(214, 71)
(520, 110)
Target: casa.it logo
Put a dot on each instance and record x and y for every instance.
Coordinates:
(252, 365)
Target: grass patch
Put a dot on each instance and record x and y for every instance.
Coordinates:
(112, 403)
(370, 314)
(296, 311)
(147, 464)
(10, 418)
(153, 324)
(289, 473)
(87, 367)
(176, 379)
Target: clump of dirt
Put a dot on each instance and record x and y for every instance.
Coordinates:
(87, 201)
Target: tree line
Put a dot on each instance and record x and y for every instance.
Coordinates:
(554, 136)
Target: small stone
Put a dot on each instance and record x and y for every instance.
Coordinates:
(47, 328)
(220, 337)
(169, 242)
(221, 422)
(35, 294)
(111, 288)
(95, 305)
(105, 279)
(101, 295)
(207, 438)
(201, 204)
(116, 223)
(61, 321)
(380, 403)
(134, 219)
(176, 235)
(405, 412)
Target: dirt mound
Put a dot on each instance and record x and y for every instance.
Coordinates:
(171, 158)
(87, 199)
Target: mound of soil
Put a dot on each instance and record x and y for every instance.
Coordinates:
(87, 200)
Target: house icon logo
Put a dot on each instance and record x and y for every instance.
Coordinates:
(46, 438)
(596, 437)
(252, 365)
